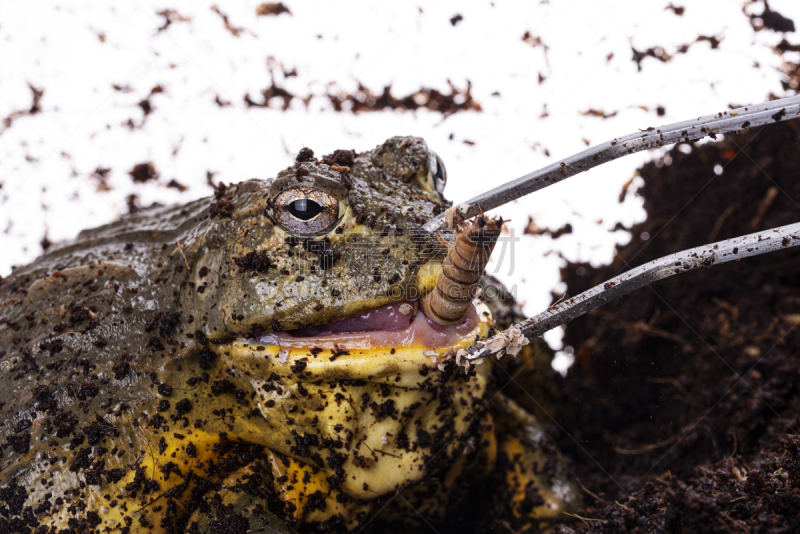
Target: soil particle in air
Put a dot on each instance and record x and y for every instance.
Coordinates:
(100, 177)
(531, 39)
(790, 69)
(235, 31)
(221, 103)
(455, 19)
(771, 20)
(170, 16)
(591, 112)
(685, 397)
(146, 105)
(143, 172)
(365, 99)
(174, 184)
(533, 229)
(272, 9)
(661, 54)
(36, 107)
(678, 10)
(425, 98)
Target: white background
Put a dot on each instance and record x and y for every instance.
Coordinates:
(46, 159)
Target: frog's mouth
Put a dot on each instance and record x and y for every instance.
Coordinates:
(395, 325)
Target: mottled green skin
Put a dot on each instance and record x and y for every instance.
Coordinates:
(74, 336)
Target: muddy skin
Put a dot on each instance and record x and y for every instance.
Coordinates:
(143, 389)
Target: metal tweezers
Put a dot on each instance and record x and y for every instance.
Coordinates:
(681, 262)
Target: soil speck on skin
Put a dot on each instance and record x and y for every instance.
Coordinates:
(143, 172)
(253, 261)
(272, 9)
(274, 91)
(343, 158)
(305, 155)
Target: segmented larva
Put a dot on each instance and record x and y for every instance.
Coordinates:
(461, 272)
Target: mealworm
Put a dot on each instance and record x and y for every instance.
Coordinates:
(458, 280)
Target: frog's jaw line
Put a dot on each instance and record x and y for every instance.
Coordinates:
(392, 326)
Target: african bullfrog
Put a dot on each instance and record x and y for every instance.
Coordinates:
(258, 361)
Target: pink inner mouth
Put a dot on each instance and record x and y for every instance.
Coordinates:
(381, 328)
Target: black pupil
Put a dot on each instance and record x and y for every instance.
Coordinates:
(304, 209)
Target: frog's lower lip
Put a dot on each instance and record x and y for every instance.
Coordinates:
(383, 327)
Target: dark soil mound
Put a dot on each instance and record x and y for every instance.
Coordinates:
(684, 399)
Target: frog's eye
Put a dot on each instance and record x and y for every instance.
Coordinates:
(305, 210)
(438, 172)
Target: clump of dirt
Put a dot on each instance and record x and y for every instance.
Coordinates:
(769, 19)
(678, 10)
(425, 98)
(591, 112)
(534, 229)
(534, 41)
(661, 54)
(36, 107)
(234, 30)
(175, 184)
(272, 9)
(682, 408)
(364, 99)
(100, 177)
(143, 172)
(145, 104)
(170, 16)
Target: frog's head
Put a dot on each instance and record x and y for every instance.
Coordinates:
(326, 239)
